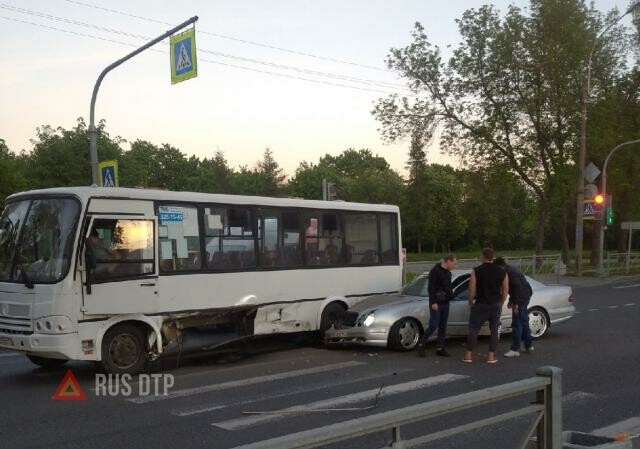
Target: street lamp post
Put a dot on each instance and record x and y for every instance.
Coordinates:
(93, 131)
(600, 271)
(582, 155)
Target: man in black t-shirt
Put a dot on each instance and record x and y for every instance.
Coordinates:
(488, 290)
(520, 293)
(440, 293)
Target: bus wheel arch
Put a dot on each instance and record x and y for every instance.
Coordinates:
(137, 327)
(330, 313)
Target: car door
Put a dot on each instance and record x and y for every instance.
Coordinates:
(459, 307)
(120, 272)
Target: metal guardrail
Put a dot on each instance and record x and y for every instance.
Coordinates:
(547, 409)
(532, 265)
(617, 263)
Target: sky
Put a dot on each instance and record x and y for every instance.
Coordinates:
(48, 75)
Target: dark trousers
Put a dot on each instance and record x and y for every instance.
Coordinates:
(480, 314)
(437, 320)
(520, 331)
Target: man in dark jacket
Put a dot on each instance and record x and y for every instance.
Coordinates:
(520, 292)
(488, 290)
(440, 293)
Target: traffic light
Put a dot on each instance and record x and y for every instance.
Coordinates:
(609, 216)
(599, 204)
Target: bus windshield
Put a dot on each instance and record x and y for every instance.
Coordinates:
(36, 239)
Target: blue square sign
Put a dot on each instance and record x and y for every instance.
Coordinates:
(183, 56)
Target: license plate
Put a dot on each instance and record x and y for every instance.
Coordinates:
(6, 341)
(340, 334)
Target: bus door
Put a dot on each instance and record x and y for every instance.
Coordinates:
(120, 260)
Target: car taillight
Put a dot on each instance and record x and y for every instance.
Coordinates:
(571, 298)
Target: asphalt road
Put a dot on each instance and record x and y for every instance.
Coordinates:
(599, 351)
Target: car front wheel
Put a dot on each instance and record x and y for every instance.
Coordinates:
(404, 335)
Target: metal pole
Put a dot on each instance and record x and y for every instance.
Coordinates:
(600, 271)
(93, 132)
(629, 252)
(582, 155)
(552, 423)
(324, 190)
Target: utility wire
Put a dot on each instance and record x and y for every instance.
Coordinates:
(377, 83)
(222, 36)
(128, 44)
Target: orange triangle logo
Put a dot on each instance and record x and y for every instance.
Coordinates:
(69, 389)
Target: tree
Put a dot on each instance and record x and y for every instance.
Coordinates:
(509, 94)
(417, 157)
(215, 174)
(615, 118)
(270, 173)
(307, 181)
(358, 175)
(60, 157)
(432, 208)
(12, 177)
(138, 166)
(497, 209)
(363, 177)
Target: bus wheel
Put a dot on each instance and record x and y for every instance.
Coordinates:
(330, 316)
(45, 362)
(124, 350)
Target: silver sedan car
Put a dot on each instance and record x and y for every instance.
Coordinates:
(397, 320)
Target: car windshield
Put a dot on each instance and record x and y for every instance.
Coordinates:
(36, 239)
(418, 287)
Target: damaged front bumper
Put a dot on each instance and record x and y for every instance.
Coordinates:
(367, 336)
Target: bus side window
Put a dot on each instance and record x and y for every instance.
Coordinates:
(279, 238)
(179, 238)
(229, 239)
(323, 239)
(389, 238)
(361, 231)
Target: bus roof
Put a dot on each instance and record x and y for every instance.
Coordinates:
(85, 193)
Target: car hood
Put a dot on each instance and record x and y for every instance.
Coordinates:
(378, 301)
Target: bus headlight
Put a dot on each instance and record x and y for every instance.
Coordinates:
(368, 321)
(53, 325)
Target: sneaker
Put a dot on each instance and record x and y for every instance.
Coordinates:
(529, 350)
(512, 353)
(421, 352)
(443, 353)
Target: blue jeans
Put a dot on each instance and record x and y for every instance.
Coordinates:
(437, 320)
(520, 331)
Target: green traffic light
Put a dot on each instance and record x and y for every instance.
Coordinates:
(610, 216)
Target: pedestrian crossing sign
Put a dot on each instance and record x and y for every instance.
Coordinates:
(108, 171)
(183, 56)
(590, 210)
